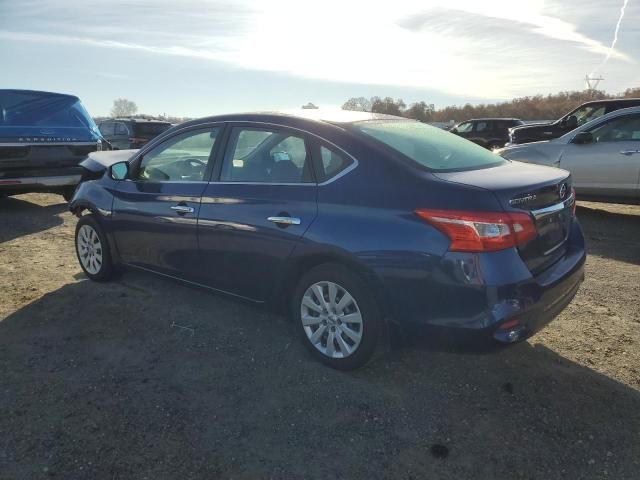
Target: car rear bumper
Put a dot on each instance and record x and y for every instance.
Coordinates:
(493, 296)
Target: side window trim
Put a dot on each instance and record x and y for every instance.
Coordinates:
(137, 159)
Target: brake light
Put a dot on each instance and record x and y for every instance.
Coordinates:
(481, 231)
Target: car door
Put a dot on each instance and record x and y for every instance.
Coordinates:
(610, 165)
(261, 200)
(155, 210)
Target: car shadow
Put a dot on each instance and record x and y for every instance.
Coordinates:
(19, 217)
(145, 377)
(611, 234)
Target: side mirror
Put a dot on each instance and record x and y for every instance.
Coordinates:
(571, 122)
(582, 138)
(119, 171)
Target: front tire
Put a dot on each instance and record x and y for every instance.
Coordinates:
(337, 317)
(92, 250)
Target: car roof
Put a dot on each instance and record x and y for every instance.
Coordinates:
(492, 119)
(614, 100)
(135, 120)
(297, 116)
(37, 92)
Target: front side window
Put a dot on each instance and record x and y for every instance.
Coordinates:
(266, 156)
(588, 113)
(482, 126)
(182, 158)
(621, 129)
(428, 147)
(464, 127)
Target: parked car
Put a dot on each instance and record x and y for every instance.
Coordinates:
(128, 133)
(575, 118)
(602, 155)
(43, 138)
(350, 219)
(489, 133)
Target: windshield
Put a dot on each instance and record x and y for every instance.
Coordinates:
(40, 109)
(429, 147)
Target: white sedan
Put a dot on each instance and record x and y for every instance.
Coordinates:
(602, 155)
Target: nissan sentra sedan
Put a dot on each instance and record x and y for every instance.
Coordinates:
(357, 223)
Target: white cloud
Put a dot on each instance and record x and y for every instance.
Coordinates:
(352, 41)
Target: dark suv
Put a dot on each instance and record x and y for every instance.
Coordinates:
(43, 138)
(131, 133)
(575, 118)
(489, 133)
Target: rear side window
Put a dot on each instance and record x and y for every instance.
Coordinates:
(332, 164)
(266, 156)
(429, 147)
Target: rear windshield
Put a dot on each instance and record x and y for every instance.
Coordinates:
(429, 147)
(40, 109)
(151, 128)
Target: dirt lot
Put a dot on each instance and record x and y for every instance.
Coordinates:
(96, 383)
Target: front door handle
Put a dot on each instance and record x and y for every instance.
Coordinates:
(182, 209)
(629, 152)
(284, 221)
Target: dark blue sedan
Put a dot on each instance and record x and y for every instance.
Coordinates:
(353, 221)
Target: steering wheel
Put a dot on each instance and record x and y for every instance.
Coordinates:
(194, 162)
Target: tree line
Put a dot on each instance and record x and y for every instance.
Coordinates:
(536, 107)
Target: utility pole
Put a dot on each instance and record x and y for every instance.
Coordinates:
(592, 83)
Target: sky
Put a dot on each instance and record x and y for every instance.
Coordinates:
(203, 57)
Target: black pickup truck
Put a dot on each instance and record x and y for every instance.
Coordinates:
(535, 132)
(43, 138)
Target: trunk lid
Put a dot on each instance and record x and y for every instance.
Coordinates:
(544, 192)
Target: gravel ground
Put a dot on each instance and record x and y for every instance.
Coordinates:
(99, 381)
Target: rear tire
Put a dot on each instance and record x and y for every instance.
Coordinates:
(92, 250)
(337, 316)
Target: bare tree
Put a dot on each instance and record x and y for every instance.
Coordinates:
(123, 107)
(359, 104)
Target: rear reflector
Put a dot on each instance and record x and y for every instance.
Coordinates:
(481, 231)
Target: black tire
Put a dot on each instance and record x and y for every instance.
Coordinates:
(106, 268)
(371, 319)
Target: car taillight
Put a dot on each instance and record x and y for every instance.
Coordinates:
(481, 231)
(137, 140)
(573, 207)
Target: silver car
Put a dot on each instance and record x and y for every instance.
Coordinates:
(602, 155)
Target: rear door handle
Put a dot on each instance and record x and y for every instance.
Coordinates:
(629, 152)
(284, 220)
(182, 209)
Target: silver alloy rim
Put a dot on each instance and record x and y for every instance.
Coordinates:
(89, 249)
(331, 319)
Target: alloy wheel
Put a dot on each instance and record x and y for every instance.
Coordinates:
(89, 249)
(331, 319)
